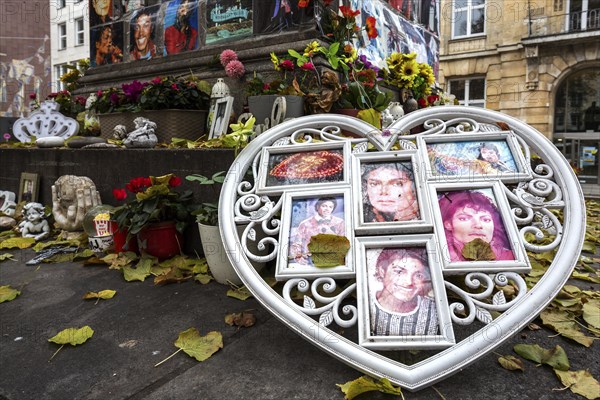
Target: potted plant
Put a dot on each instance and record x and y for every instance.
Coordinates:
(207, 217)
(157, 215)
(178, 106)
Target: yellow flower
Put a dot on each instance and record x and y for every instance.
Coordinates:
(350, 54)
(409, 70)
(426, 72)
(394, 60)
(311, 49)
(275, 62)
(409, 57)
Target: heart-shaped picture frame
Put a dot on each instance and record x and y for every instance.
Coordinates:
(450, 300)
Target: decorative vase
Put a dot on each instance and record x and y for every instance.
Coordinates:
(216, 254)
(186, 124)
(161, 240)
(121, 244)
(262, 106)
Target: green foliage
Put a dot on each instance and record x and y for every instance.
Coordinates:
(208, 213)
(8, 294)
(328, 250)
(580, 382)
(556, 357)
(365, 384)
(73, 336)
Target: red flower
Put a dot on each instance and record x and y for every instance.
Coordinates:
(138, 184)
(327, 2)
(422, 102)
(287, 65)
(347, 12)
(371, 30)
(432, 99)
(174, 181)
(33, 96)
(156, 80)
(308, 66)
(99, 93)
(119, 194)
(303, 3)
(174, 86)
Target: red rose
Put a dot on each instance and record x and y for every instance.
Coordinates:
(119, 194)
(422, 102)
(174, 181)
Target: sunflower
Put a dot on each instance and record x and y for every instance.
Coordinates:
(409, 71)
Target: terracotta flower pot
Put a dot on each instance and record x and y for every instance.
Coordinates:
(161, 240)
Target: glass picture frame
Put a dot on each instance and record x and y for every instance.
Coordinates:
(477, 214)
(473, 157)
(303, 166)
(389, 195)
(401, 298)
(305, 214)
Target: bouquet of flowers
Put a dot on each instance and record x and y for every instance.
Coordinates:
(404, 72)
(155, 200)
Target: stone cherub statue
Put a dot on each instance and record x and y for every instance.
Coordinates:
(72, 196)
(143, 135)
(35, 226)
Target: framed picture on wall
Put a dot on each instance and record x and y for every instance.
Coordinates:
(28, 187)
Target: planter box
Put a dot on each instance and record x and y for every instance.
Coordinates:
(185, 124)
(261, 106)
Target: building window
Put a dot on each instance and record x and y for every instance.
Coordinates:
(469, 92)
(79, 32)
(62, 3)
(468, 17)
(62, 36)
(59, 70)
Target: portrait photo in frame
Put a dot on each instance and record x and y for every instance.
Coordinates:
(305, 214)
(401, 296)
(28, 187)
(311, 166)
(475, 229)
(473, 157)
(388, 193)
(220, 121)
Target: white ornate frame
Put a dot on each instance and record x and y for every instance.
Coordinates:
(366, 338)
(341, 271)
(267, 152)
(424, 224)
(553, 186)
(519, 264)
(225, 104)
(522, 174)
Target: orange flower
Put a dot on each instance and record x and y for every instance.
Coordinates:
(347, 12)
(303, 3)
(371, 30)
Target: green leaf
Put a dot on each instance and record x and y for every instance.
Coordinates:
(82, 255)
(371, 116)
(140, 272)
(7, 293)
(6, 256)
(328, 250)
(585, 277)
(118, 261)
(580, 382)
(367, 384)
(17, 243)
(478, 250)
(199, 347)
(56, 243)
(73, 336)
(241, 293)
(591, 313)
(556, 358)
(511, 363)
(203, 278)
(562, 323)
(103, 294)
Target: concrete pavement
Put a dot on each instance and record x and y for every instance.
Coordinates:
(137, 328)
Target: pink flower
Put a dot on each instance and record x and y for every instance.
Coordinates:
(287, 65)
(99, 93)
(174, 86)
(156, 80)
(308, 66)
(235, 69)
(228, 56)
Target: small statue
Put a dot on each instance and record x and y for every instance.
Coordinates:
(35, 226)
(120, 132)
(143, 135)
(72, 196)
